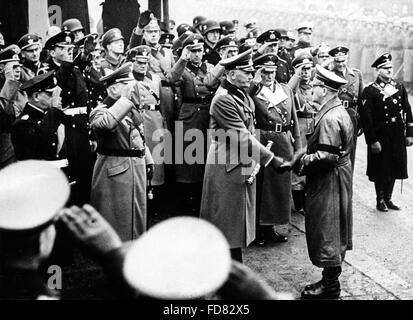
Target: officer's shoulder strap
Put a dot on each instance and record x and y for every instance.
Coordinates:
(25, 117)
(221, 92)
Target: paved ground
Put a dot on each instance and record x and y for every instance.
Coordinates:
(381, 264)
(380, 267)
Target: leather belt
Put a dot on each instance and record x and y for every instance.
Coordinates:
(121, 152)
(62, 163)
(276, 127)
(76, 111)
(197, 100)
(348, 104)
(307, 115)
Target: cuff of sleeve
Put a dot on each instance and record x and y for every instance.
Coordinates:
(9, 89)
(121, 108)
(409, 130)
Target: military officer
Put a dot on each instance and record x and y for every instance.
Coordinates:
(227, 28)
(166, 40)
(228, 201)
(327, 166)
(197, 21)
(349, 94)
(149, 86)
(74, 26)
(28, 209)
(211, 31)
(269, 41)
(75, 102)
(199, 80)
(228, 46)
(30, 46)
(285, 46)
(124, 162)
(300, 83)
(12, 99)
(387, 121)
(112, 43)
(277, 121)
(305, 32)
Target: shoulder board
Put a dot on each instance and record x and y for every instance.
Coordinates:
(25, 117)
(356, 70)
(281, 60)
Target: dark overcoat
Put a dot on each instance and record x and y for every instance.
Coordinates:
(382, 119)
(227, 200)
(328, 204)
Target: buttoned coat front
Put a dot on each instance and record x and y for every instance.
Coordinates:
(119, 183)
(227, 200)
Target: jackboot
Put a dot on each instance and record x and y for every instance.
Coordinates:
(388, 191)
(381, 204)
(327, 288)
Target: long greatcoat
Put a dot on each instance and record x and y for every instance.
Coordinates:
(119, 183)
(328, 207)
(198, 85)
(227, 200)
(382, 122)
(274, 189)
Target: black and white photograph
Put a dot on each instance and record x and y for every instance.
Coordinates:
(206, 154)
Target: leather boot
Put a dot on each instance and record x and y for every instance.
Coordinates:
(327, 288)
(381, 204)
(388, 191)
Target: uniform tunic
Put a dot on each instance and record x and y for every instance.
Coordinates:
(274, 189)
(74, 96)
(198, 85)
(227, 200)
(350, 95)
(328, 206)
(305, 114)
(119, 183)
(35, 134)
(382, 121)
(154, 123)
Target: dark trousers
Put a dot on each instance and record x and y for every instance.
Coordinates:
(331, 274)
(384, 190)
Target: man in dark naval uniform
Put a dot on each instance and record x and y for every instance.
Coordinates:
(387, 121)
(75, 100)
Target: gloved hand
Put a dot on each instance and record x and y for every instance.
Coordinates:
(90, 44)
(150, 168)
(144, 19)
(376, 147)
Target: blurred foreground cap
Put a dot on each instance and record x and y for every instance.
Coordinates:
(31, 194)
(179, 258)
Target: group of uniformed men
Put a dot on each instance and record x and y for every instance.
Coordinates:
(120, 124)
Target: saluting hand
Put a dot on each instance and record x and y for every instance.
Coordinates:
(91, 229)
(186, 52)
(144, 19)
